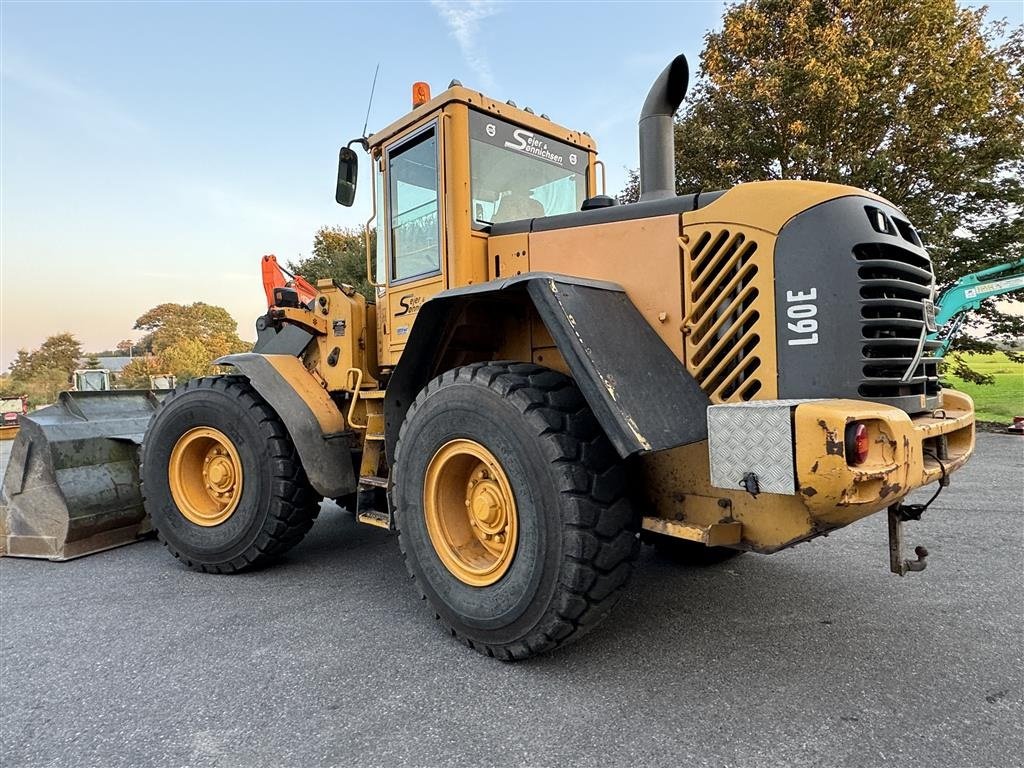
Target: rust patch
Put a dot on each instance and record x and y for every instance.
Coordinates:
(833, 445)
(814, 469)
(889, 490)
(808, 491)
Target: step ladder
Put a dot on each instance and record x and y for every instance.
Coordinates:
(372, 505)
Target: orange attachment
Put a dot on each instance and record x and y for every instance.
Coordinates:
(273, 277)
(420, 93)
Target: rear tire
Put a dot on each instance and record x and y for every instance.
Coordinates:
(549, 471)
(271, 508)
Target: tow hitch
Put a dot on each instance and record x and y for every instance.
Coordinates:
(901, 513)
(897, 516)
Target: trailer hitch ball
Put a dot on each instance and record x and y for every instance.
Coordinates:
(897, 564)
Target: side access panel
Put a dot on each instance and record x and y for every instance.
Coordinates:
(640, 392)
(313, 421)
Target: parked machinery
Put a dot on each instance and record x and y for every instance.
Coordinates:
(542, 374)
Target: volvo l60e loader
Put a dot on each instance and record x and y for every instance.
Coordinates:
(543, 377)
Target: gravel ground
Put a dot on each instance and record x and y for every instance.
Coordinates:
(812, 657)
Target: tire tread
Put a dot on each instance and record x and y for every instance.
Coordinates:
(598, 562)
(295, 505)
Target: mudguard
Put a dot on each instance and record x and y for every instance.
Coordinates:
(642, 395)
(314, 423)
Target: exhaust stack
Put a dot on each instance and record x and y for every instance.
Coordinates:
(657, 137)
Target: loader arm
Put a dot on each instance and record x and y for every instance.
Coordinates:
(274, 277)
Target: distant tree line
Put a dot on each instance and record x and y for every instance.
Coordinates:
(181, 340)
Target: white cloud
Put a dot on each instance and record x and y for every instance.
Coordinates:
(463, 20)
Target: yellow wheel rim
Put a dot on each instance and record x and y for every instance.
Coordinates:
(470, 512)
(205, 476)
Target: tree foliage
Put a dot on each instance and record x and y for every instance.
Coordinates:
(919, 101)
(60, 352)
(338, 253)
(168, 324)
(136, 374)
(183, 340)
(630, 193)
(44, 372)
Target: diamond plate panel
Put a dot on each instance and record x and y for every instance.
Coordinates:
(753, 437)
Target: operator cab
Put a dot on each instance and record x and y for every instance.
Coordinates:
(493, 162)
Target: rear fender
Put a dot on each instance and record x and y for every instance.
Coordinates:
(314, 423)
(642, 395)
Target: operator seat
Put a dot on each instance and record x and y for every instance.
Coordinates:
(516, 206)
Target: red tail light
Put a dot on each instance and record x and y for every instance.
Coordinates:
(856, 443)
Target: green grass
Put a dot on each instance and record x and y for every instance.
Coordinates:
(1000, 401)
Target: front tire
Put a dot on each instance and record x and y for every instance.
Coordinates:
(511, 508)
(221, 479)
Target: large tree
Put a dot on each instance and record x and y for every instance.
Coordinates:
(338, 253)
(60, 352)
(184, 340)
(919, 101)
(44, 372)
(170, 324)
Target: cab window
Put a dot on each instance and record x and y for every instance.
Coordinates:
(519, 174)
(413, 208)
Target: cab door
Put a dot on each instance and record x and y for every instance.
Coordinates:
(414, 227)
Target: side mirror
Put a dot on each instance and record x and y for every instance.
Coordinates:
(348, 170)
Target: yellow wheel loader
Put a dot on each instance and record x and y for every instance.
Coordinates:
(542, 376)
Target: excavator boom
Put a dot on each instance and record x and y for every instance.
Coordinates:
(967, 293)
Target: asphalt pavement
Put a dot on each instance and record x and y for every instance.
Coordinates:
(816, 656)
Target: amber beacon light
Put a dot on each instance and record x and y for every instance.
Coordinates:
(420, 94)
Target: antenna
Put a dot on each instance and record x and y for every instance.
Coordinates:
(370, 104)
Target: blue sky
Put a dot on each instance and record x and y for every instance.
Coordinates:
(152, 152)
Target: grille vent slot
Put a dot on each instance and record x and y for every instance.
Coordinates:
(726, 314)
(894, 282)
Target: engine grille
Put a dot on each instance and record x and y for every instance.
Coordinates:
(728, 313)
(894, 283)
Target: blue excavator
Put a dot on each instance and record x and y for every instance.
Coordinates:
(967, 293)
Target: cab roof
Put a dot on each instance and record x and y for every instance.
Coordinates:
(475, 99)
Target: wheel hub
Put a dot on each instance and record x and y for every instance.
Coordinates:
(205, 476)
(470, 512)
(220, 473)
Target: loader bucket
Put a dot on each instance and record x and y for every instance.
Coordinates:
(72, 484)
